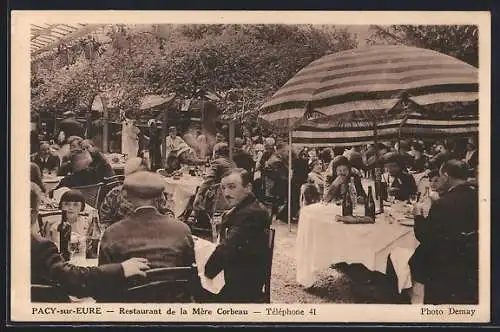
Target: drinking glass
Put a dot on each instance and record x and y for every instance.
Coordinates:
(391, 194)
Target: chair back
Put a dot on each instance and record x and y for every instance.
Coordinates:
(165, 285)
(162, 172)
(48, 294)
(105, 189)
(267, 286)
(114, 178)
(42, 220)
(91, 193)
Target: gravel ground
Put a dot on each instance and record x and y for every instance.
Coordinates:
(345, 284)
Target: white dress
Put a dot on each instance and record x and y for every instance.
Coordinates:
(130, 139)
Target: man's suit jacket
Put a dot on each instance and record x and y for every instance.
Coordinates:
(48, 267)
(51, 164)
(448, 250)
(242, 252)
(406, 184)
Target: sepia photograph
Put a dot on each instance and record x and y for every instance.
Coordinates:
(216, 163)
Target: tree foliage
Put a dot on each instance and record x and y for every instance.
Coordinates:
(459, 41)
(241, 64)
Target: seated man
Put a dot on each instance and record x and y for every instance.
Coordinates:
(213, 176)
(446, 261)
(46, 160)
(146, 232)
(116, 206)
(398, 181)
(98, 163)
(243, 251)
(48, 267)
(86, 167)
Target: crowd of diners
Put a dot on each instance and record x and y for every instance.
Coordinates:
(138, 215)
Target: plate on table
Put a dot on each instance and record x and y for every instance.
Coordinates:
(407, 222)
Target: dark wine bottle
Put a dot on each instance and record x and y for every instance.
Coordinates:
(64, 237)
(370, 204)
(347, 205)
(93, 237)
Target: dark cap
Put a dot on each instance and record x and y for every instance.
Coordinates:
(144, 184)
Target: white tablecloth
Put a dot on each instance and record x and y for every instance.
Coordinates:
(321, 241)
(181, 190)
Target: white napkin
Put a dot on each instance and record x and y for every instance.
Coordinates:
(400, 258)
(203, 250)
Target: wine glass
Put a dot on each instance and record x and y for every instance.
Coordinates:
(391, 194)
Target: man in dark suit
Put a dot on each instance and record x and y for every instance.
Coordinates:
(219, 166)
(243, 251)
(398, 180)
(71, 126)
(241, 158)
(145, 232)
(48, 267)
(46, 160)
(446, 261)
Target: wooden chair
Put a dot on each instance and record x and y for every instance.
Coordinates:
(267, 286)
(42, 293)
(91, 193)
(105, 189)
(163, 285)
(114, 178)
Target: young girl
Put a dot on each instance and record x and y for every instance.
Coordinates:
(72, 203)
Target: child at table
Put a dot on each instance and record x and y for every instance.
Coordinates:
(72, 203)
(48, 267)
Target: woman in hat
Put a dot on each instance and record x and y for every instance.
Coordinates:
(341, 173)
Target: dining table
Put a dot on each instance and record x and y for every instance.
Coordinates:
(323, 241)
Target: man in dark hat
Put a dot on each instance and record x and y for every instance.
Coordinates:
(218, 167)
(398, 180)
(163, 241)
(70, 125)
(446, 261)
(242, 158)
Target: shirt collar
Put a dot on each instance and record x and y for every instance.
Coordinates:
(145, 207)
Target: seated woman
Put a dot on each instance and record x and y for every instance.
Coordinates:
(116, 206)
(315, 177)
(341, 176)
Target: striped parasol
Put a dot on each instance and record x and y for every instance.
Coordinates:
(326, 133)
(365, 83)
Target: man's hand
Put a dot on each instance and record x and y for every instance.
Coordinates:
(418, 209)
(135, 267)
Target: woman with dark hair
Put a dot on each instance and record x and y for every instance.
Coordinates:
(36, 176)
(339, 180)
(420, 162)
(315, 176)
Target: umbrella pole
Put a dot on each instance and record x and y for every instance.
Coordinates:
(289, 181)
